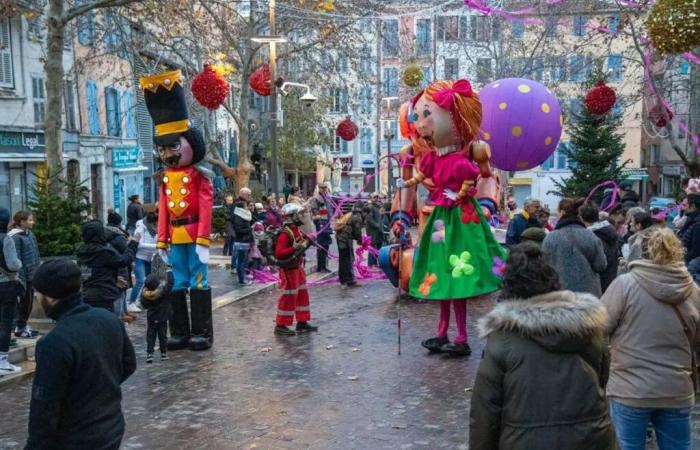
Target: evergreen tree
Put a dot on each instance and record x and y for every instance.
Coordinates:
(595, 148)
(59, 207)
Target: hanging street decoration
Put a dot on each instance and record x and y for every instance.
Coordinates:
(210, 88)
(522, 123)
(412, 75)
(347, 130)
(261, 80)
(600, 99)
(674, 26)
(657, 118)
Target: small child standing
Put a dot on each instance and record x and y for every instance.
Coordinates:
(255, 255)
(155, 298)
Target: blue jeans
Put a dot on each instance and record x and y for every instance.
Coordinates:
(671, 426)
(142, 269)
(239, 259)
(188, 271)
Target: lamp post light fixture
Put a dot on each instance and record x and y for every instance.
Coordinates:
(272, 40)
(389, 136)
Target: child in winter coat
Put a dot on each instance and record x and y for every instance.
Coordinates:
(255, 256)
(155, 298)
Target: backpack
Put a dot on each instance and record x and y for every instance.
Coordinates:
(268, 244)
(3, 263)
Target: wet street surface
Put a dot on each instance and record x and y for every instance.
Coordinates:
(342, 388)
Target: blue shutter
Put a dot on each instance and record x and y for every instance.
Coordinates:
(615, 67)
(427, 77)
(518, 29)
(109, 110)
(92, 107)
(547, 165)
(344, 100)
(370, 136)
(684, 68)
(617, 110)
(578, 70)
(129, 112)
(613, 24)
(579, 26)
(86, 28)
(561, 157)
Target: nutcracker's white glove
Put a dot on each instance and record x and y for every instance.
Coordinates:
(203, 253)
(400, 183)
(163, 255)
(449, 193)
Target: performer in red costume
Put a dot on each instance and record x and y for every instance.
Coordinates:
(184, 209)
(289, 251)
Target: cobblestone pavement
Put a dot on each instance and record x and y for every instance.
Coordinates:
(342, 388)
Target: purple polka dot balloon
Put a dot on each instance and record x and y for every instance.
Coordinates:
(522, 123)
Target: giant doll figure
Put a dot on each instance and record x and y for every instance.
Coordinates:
(457, 257)
(184, 210)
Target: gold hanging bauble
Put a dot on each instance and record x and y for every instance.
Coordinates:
(412, 75)
(674, 25)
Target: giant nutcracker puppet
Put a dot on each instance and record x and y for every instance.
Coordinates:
(455, 258)
(184, 210)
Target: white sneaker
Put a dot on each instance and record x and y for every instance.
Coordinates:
(132, 308)
(6, 368)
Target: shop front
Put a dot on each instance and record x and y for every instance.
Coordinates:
(128, 176)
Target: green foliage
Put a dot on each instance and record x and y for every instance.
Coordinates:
(595, 150)
(59, 207)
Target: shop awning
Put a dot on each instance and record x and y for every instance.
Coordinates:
(520, 181)
(634, 174)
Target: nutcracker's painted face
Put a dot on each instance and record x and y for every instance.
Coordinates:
(176, 154)
(434, 124)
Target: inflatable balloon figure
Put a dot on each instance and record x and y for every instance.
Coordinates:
(184, 210)
(455, 258)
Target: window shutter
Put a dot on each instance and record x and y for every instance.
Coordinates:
(463, 28)
(129, 113)
(6, 75)
(441, 28)
(93, 108)
(109, 108)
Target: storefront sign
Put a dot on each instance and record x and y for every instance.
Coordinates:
(671, 170)
(126, 157)
(20, 142)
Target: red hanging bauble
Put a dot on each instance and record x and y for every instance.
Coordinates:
(600, 99)
(260, 80)
(347, 130)
(209, 88)
(657, 118)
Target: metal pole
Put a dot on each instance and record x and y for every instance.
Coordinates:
(273, 103)
(390, 178)
(378, 93)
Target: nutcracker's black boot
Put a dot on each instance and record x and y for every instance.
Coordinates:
(202, 325)
(179, 323)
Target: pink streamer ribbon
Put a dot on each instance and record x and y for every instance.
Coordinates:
(616, 190)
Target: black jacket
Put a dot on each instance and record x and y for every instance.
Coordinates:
(157, 302)
(100, 264)
(134, 213)
(608, 236)
(76, 396)
(541, 381)
(242, 224)
(373, 223)
(690, 235)
(516, 227)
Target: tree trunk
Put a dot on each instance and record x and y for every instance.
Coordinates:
(54, 88)
(244, 167)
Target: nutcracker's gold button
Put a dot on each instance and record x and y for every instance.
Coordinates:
(171, 204)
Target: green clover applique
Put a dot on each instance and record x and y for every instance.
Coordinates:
(460, 265)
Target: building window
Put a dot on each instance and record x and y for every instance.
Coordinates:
(427, 77)
(112, 38)
(339, 98)
(93, 109)
(390, 37)
(366, 100)
(367, 62)
(6, 71)
(365, 25)
(391, 82)
(517, 30)
(615, 68)
(339, 145)
(113, 113)
(342, 64)
(73, 171)
(561, 155)
(479, 28)
(451, 24)
(558, 68)
(551, 27)
(537, 68)
(129, 115)
(366, 141)
(423, 37)
(34, 30)
(483, 70)
(613, 24)
(577, 64)
(579, 26)
(451, 68)
(39, 99)
(69, 103)
(87, 33)
(251, 99)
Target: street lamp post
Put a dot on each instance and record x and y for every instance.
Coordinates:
(272, 40)
(389, 135)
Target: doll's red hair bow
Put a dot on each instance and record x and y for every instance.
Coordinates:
(445, 97)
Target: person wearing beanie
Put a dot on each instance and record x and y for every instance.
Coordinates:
(534, 234)
(101, 264)
(80, 366)
(255, 255)
(10, 264)
(155, 298)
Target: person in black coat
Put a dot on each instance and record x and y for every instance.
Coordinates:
(373, 224)
(541, 381)
(100, 264)
(690, 232)
(526, 219)
(607, 234)
(155, 298)
(81, 364)
(243, 228)
(134, 213)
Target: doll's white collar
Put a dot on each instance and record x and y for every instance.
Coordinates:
(442, 151)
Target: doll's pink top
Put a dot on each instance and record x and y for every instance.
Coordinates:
(447, 172)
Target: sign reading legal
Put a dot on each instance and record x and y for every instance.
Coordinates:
(126, 157)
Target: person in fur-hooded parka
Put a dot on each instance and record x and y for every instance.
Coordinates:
(541, 381)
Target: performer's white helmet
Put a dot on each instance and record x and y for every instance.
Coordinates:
(292, 213)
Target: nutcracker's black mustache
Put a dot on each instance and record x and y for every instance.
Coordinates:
(172, 160)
